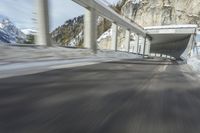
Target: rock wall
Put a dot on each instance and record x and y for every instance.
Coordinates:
(157, 13)
(162, 12)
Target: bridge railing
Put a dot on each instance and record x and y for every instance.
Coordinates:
(95, 8)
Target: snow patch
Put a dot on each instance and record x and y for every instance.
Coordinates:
(135, 1)
(76, 41)
(99, 20)
(117, 55)
(105, 35)
(194, 62)
(29, 31)
(9, 33)
(1, 26)
(40, 53)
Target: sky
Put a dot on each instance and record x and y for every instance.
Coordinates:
(22, 12)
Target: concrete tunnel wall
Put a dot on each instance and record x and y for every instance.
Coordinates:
(173, 48)
(173, 40)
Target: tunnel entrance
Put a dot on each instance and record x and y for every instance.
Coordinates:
(175, 41)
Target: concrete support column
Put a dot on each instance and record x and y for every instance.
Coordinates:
(43, 36)
(141, 45)
(137, 45)
(197, 50)
(144, 49)
(90, 30)
(127, 40)
(114, 36)
(147, 49)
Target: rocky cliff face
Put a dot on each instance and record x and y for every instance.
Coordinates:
(162, 12)
(68, 32)
(143, 12)
(155, 13)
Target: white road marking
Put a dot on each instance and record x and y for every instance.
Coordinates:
(190, 77)
(73, 65)
(189, 73)
(162, 68)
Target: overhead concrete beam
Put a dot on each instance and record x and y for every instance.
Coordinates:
(170, 31)
(90, 30)
(43, 36)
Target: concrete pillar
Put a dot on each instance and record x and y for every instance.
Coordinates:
(144, 49)
(137, 45)
(114, 36)
(197, 50)
(90, 30)
(139, 49)
(43, 36)
(147, 47)
(127, 40)
(141, 46)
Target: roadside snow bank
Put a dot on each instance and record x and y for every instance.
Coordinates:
(118, 55)
(194, 62)
(10, 54)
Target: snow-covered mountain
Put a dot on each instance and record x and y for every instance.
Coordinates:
(29, 31)
(9, 33)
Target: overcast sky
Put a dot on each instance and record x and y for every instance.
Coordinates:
(21, 12)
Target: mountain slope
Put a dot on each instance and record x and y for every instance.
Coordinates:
(9, 33)
(65, 33)
(71, 32)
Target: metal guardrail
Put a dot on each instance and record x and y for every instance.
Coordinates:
(19, 45)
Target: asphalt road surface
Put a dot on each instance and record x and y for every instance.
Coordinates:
(128, 96)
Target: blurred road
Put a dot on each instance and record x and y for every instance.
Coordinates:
(128, 96)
